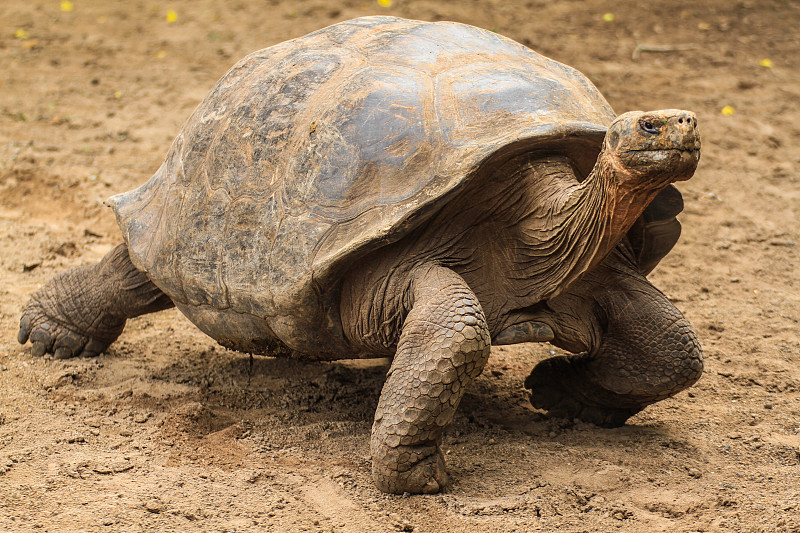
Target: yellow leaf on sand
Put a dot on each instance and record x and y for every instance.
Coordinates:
(161, 54)
(117, 94)
(608, 17)
(385, 3)
(766, 63)
(21, 34)
(67, 6)
(727, 111)
(172, 16)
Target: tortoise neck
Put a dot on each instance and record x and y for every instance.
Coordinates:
(611, 202)
(623, 199)
(598, 195)
(585, 219)
(584, 215)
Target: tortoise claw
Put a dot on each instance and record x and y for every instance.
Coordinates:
(24, 329)
(38, 349)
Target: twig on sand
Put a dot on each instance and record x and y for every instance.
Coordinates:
(660, 48)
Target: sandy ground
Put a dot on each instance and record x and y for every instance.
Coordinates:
(168, 431)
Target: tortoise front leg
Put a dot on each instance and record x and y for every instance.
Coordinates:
(444, 345)
(83, 310)
(648, 352)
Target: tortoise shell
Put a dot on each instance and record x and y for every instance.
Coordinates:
(312, 153)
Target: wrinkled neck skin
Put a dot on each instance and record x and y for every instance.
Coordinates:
(627, 198)
(523, 234)
(583, 223)
(517, 236)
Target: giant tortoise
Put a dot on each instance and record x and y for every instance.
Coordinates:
(386, 187)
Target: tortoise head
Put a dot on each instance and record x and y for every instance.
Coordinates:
(653, 148)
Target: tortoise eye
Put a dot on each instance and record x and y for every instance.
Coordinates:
(648, 126)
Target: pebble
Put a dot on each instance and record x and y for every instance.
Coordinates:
(27, 267)
(693, 472)
(154, 506)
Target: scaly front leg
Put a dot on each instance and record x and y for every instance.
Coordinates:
(444, 346)
(648, 352)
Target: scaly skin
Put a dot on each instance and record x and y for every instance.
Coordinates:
(644, 351)
(83, 310)
(444, 346)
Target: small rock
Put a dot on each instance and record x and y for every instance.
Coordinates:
(27, 267)
(693, 472)
(115, 467)
(5, 464)
(65, 249)
(154, 506)
(400, 524)
(621, 513)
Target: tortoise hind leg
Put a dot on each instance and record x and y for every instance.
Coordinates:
(649, 352)
(444, 345)
(83, 310)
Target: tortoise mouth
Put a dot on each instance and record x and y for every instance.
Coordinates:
(684, 154)
(675, 163)
(692, 150)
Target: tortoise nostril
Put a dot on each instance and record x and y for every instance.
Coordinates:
(687, 120)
